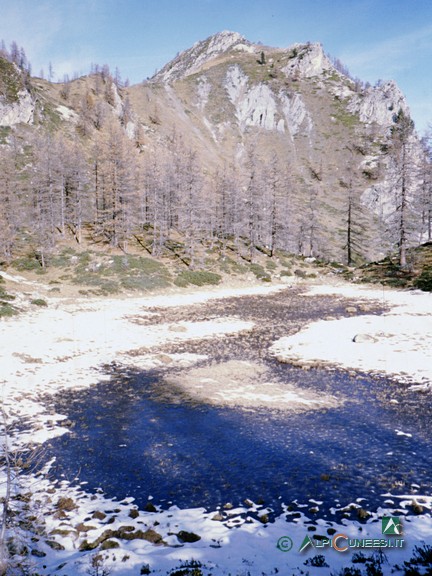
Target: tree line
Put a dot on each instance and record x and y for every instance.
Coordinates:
(101, 180)
(53, 185)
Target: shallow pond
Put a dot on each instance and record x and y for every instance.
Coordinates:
(134, 436)
(129, 441)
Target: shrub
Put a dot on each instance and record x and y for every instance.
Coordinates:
(39, 302)
(422, 555)
(424, 281)
(348, 571)
(318, 561)
(7, 310)
(144, 282)
(5, 296)
(197, 278)
(260, 273)
(188, 568)
(27, 263)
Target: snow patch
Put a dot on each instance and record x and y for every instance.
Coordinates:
(398, 343)
(245, 384)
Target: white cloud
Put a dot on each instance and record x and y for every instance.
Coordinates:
(50, 31)
(33, 25)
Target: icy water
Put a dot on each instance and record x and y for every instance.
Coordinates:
(129, 438)
(128, 443)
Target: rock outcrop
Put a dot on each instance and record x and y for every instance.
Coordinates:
(307, 60)
(380, 104)
(21, 111)
(192, 60)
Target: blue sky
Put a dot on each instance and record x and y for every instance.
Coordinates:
(376, 39)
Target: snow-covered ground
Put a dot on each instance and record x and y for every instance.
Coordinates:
(397, 343)
(67, 345)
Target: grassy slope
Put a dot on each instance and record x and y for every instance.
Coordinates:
(418, 273)
(96, 269)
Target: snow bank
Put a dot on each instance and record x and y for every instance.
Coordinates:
(231, 540)
(397, 343)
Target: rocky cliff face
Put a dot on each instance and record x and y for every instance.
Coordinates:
(16, 103)
(20, 111)
(379, 105)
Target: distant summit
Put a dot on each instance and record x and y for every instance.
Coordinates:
(192, 60)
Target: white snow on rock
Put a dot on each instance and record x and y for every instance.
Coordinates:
(232, 541)
(63, 347)
(67, 346)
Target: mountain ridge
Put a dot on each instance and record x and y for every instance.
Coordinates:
(239, 108)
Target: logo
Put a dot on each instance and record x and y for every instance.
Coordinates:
(306, 543)
(391, 525)
(284, 544)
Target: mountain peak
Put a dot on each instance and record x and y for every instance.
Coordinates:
(226, 37)
(190, 61)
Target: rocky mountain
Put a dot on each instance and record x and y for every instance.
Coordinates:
(305, 146)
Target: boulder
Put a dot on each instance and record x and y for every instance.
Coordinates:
(188, 537)
(364, 338)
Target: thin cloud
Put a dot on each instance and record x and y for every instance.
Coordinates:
(391, 55)
(32, 25)
(42, 28)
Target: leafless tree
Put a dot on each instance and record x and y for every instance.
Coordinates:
(115, 173)
(425, 196)
(402, 176)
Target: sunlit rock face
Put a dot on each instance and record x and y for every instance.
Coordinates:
(192, 60)
(308, 60)
(379, 104)
(17, 112)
